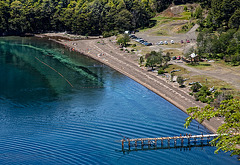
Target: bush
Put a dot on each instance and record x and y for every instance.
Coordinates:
(107, 34)
(161, 71)
(185, 8)
(196, 86)
(180, 81)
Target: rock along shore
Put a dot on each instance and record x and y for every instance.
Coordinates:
(106, 51)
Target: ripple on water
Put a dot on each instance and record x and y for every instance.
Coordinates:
(61, 125)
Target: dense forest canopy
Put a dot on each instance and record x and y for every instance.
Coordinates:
(219, 36)
(86, 17)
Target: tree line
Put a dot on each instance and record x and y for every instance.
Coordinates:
(219, 36)
(85, 17)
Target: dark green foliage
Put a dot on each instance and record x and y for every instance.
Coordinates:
(92, 17)
(225, 45)
(141, 59)
(180, 81)
(166, 59)
(161, 71)
(123, 40)
(195, 87)
(222, 13)
(204, 95)
(228, 132)
(198, 12)
(154, 58)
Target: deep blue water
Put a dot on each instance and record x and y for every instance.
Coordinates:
(44, 120)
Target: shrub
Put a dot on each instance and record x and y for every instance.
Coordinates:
(161, 71)
(196, 86)
(185, 8)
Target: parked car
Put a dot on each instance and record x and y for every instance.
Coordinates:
(147, 44)
(178, 58)
(174, 58)
(165, 42)
(182, 41)
(172, 42)
(188, 41)
(138, 39)
(132, 36)
(159, 43)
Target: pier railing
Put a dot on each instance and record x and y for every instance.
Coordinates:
(153, 142)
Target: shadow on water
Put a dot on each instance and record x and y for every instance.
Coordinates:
(150, 147)
(32, 72)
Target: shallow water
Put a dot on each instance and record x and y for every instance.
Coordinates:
(59, 107)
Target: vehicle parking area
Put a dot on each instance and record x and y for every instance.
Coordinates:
(140, 40)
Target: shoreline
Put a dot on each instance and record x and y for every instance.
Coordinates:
(105, 51)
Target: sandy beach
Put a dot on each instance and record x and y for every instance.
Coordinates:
(107, 52)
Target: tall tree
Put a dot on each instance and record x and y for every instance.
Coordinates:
(4, 16)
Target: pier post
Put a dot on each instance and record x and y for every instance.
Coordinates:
(175, 142)
(129, 144)
(188, 141)
(122, 144)
(168, 141)
(155, 142)
(136, 143)
(181, 141)
(161, 142)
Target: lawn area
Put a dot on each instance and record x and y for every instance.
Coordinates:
(173, 52)
(183, 16)
(164, 19)
(172, 67)
(210, 82)
(201, 65)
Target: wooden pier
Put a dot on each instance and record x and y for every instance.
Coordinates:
(153, 142)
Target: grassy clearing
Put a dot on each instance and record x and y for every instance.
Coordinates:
(223, 64)
(182, 71)
(183, 16)
(201, 66)
(173, 52)
(163, 20)
(210, 82)
(160, 33)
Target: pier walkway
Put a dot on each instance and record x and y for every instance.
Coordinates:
(186, 139)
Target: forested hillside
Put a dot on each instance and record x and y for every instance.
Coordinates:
(219, 35)
(86, 17)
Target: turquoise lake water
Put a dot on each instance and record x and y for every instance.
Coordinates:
(59, 107)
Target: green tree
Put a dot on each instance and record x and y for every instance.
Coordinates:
(180, 81)
(234, 21)
(123, 20)
(228, 133)
(195, 87)
(198, 12)
(4, 16)
(123, 40)
(166, 59)
(17, 20)
(154, 58)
